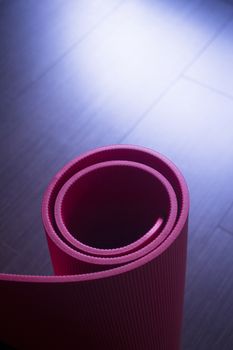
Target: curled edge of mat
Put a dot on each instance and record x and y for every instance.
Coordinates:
(142, 246)
(181, 222)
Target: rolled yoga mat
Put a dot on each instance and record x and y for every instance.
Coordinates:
(116, 223)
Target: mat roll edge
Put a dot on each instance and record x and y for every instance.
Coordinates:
(134, 305)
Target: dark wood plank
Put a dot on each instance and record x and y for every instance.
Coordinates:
(7, 254)
(227, 220)
(209, 297)
(35, 35)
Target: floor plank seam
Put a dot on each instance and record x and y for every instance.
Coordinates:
(206, 86)
(230, 233)
(209, 42)
(154, 103)
(68, 51)
(225, 214)
(7, 246)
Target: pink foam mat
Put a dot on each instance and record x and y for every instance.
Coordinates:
(116, 223)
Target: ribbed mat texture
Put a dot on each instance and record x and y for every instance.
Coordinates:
(116, 221)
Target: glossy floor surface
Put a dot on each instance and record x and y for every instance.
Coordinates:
(75, 75)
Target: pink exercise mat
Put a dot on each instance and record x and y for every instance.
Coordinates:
(116, 224)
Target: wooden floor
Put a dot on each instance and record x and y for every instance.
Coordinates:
(77, 74)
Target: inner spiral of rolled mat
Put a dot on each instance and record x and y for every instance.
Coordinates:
(122, 217)
(116, 224)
